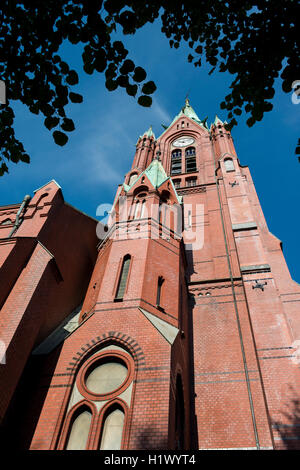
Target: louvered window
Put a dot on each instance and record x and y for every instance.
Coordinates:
(123, 278)
(190, 160)
(176, 162)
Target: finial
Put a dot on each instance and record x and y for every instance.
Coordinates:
(187, 101)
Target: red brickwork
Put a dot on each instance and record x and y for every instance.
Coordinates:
(211, 361)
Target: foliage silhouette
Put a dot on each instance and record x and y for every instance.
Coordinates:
(253, 40)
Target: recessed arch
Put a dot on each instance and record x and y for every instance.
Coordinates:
(78, 426)
(112, 427)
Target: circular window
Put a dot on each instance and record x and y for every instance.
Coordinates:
(105, 376)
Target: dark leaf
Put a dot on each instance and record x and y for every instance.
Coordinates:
(75, 97)
(132, 89)
(111, 85)
(68, 125)
(145, 101)
(72, 78)
(149, 88)
(60, 138)
(139, 74)
(51, 122)
(25, 158)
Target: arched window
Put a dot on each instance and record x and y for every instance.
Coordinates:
(98, 411)
(176, 162)
(79, 429)
(132, 178)
(143, 208)
(112, 429)
(123, 278)
(190, 160)
(159, 290)
(229, 165)
(136, 209)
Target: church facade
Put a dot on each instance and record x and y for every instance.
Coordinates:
(174, 326)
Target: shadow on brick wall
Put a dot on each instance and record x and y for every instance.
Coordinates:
(289, 430)
(24, 410)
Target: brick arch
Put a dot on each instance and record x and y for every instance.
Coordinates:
(128, 343)
(120, 339)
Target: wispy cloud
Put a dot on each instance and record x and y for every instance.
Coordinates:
(160, 112)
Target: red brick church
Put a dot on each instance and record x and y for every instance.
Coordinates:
(175, 326)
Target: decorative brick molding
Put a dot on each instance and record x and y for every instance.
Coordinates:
(112, 337)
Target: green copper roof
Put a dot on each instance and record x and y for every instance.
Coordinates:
(156, 173)
(157, 176)
(149, 133)
(218, 121)
(188, 111)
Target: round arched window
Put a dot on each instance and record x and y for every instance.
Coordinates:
(105, 375)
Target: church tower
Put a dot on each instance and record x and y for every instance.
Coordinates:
(187, 334)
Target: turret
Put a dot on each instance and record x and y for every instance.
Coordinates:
(144, 150)
(221, 137)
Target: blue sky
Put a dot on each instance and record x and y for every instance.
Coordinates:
(101, 149)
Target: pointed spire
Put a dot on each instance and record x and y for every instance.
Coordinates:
(149, 133)
(218, 121)
(188, 111)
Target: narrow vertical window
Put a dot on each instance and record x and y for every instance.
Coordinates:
(143, 208)
(159, 290)
(136, 210)
(189, 219)
(79, 431)
(111, 438)
(190, 160)
(176, 162)
(123, 278)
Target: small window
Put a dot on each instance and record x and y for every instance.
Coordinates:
(229, 165)
(177, 183)
(123, 278)
(159, 289)
(191, 182)
(132, 178)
